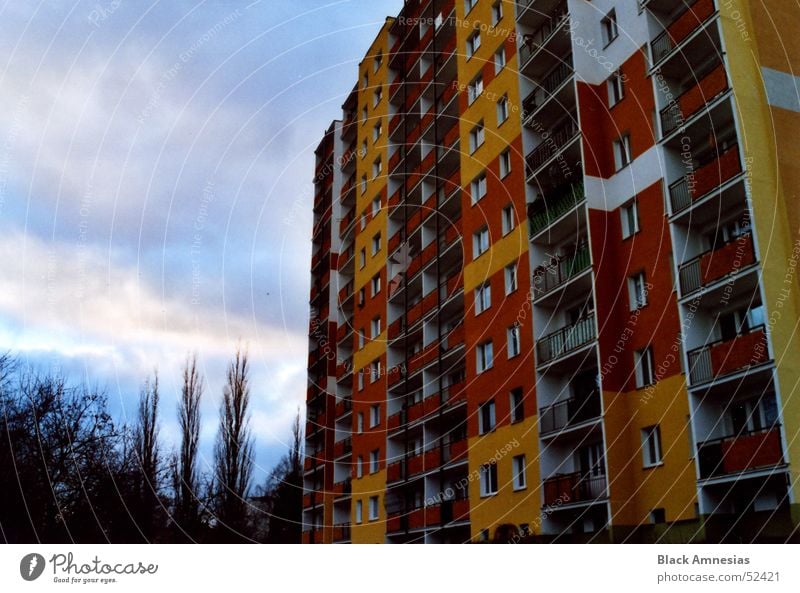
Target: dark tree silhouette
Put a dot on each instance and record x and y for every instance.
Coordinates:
(148, 477)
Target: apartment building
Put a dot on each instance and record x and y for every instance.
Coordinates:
(554, 290)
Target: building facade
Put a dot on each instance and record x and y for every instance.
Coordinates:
(554, 292)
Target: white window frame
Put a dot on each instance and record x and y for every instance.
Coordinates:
(643, 366)
(376, 284)
(508, 219)
(360, 423)
(651, 446)
(480, 242)
(477, 188)
(377, 167)
(376, 244)
(477, 136)
(622, 152)
(484, 355)
(473, 43)
(497, 12)
(502, 110)
(374, 415)
(374, 461)
(616, 88)
(483, 298)
(511, 278)
(377, 130)
(482, 417)
(376, 206)
(488, 475)
(359, 512)
(519, 472)
(637, 291)
(375, 328)
(609, 27)
(374, 512)
(514, 405)
(500, 59)
(374, 370)
(505, 163)
(513, 337)
(475, 89)
(629, 216)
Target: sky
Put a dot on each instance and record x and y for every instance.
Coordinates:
(156, 164)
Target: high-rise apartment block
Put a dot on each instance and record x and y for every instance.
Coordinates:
(554, 277)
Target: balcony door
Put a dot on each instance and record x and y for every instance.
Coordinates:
(753, 414)
(590, 460)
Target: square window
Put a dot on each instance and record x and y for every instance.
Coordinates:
(651, 446)
(497, 12)
(518, 471)
(630, 219)
(511, 278)
(505, 163)
(475, 89)
(502, 110)
(473, 43)
(483, 298)
(359, 511)
(643, 361)
(374, 415)
(376, 285)
(376, 244)
(517, 405)
(373, 508)
(486, 417)
(513, 336)
(480, 242)
(485, 356)
(476, 137)
(499, 59)
(616, 90)
(609, 27)
(622, 151)
(488, 479)
(374, 461)
(508, 222)
(637, 291)
(478, 188)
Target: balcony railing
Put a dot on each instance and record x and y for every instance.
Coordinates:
(576, 487)
(694, 99)
(724, 357)
(681, 28)
(341, 532)
(742, 452)
(560, 270)
(716, 264)
(550, 145)
(534, 42)
(705, 178)
(552, 81)
(341, 448)
(566, 340)
(571, 412)
(554, 207)
(342, 488)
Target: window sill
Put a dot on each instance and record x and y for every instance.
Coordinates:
(653, 466)
(488, 494)
(520, 488)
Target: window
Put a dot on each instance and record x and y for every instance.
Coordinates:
(376, 96)
(486, 417)
(376, 63)
(359, 511)
(518, 467)
(375, 370)
(478, 188)
(497, 12)
(651, 445)
(505, 163)
(616, 91)
(517, 406)
(362, 258)
(376, 131)
(362, 152)
(374, 463)
(360, 467)
(375, 328)
(502, 110)
(630, 219)
(483, 298)
(363, 183)
(376, 206)
(376, 284)
(365, 80)
(512, 334)
(361, 338)
(360, 422)
(438, 21)
(374, 415)
(476, 137)
(508, 223)
(364, 115)
(473, 43)
(469, 5)
(485, 356)
(609, 27)
(373, 508)
(361, 375)
(499, 59)
(480, 242)
(475, 89)
(637, 291)
(488, 479)
(622, 151)
(376, 244)
(377, 167)
(363, 221)
(643, 360)
(361, 297)
(658, 516)
(511, 278)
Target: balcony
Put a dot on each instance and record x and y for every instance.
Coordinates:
(563, 489)
(549, 31)
(341, 532)
(552, 207)
(551, 144)
(742, 452)
(680, 28)
(343, 488)
(724, 357)
(568, 413)
(456, 451)
(561, 270)
(342, 448)
(343, 407)
(705, 178)
(694, 99)
(565, 340)
(543, 91)
(716, 264)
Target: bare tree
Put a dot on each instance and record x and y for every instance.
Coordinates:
(185, 478)
(147, 451)
(234, 448)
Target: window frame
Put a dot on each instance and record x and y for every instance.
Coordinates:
(652, 452)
